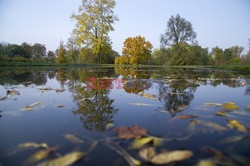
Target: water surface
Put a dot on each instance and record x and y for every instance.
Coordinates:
(151, 98)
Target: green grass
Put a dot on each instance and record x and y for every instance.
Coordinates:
(238, 67)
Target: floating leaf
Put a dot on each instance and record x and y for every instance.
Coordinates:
(12, 92)
(183, 117)
(109, 126)
(149, 96)
(34, 104)
(40, 155)
(232, 139)
(138, 143)
(3, 98)
(60, 90)
(60, 106)
(213, 104)
(147, 153)
(237, 125)
(206, 163)
(208, 125)
(230, 106)
(66, 160)
(33, 145)
(73, 138)
(181, 107)
(221, 113)
(130, 132)
(28, 108)
(45, 89)
(142, 104)
(171, 156)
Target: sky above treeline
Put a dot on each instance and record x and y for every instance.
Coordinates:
(222, 23)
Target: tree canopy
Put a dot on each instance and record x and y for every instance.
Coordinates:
(136, 50)
(94, 21)
(179, 30)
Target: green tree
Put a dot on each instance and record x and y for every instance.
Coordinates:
(159, 56)
(38, 51)
(93, 23)
(61, 54)
(51, 55)
(179, 30)
(73, 49)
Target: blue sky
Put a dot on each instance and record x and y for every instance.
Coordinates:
(222, 23)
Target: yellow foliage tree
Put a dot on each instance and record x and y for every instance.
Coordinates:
(61, 54)
(137, 50)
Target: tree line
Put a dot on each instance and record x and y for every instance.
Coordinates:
(90, 43)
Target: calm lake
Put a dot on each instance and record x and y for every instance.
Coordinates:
(47, 113)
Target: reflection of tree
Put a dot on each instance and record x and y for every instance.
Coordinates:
(94, 107)
(176, 97)
(135, 80)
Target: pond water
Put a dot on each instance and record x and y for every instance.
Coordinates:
(47, 113)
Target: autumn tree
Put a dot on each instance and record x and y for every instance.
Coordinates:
(61, 54)
(179, 30)
(94, 21)
(137, 49)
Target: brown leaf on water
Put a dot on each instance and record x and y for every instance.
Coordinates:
(12, 92)
(3, 98)
(230, 106)
(171, 156)
(149, 96)
(66, 160)
(60, 106)
(237, 125)
(31, 107)
(130, 132)
(147, 153)
(183, 117)
(73, 138)
(60, 90)
(40, 155)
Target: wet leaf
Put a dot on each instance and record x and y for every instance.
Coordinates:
(142, 104)
(171, 156)
(232, 139)
(130, 132)
(110, 126)
(3, 98)
(66, 160)
(12, 92)
(33, 145)
(208, 125)
(34, 104)
(28, 108)
(149, 96)
(73, 138)
(237, 125)
(206, 163)
(139, 143)
(221, 113)
(147, 153)
(40, 155)
(60, 90)
(230, 106)
(213, 104)
(45, 89)
(183, 117)
(60, 106)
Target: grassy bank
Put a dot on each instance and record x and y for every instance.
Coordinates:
(240, 67)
